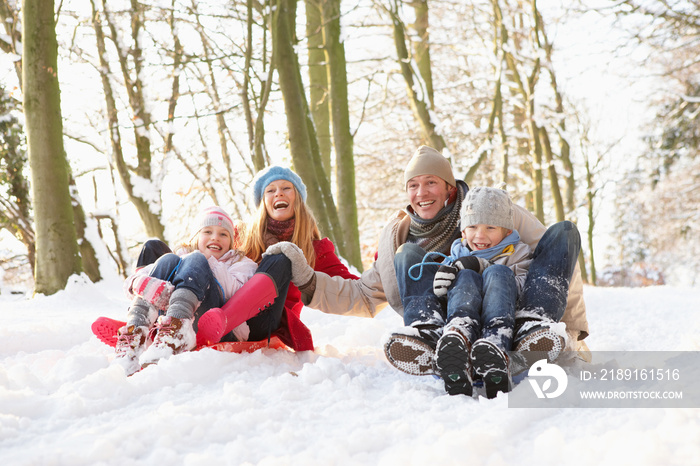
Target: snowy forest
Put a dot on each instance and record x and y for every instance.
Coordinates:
(121, 119)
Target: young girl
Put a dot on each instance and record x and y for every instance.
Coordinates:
(203, 274)
(270, 303)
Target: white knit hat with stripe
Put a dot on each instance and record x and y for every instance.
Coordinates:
(214, 216)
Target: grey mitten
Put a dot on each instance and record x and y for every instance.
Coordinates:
(474, 263)
(302, 273)
(444, 277)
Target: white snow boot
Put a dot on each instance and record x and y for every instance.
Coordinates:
(173, 336)
(131, 343)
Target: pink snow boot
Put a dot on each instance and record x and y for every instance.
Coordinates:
(256, 295)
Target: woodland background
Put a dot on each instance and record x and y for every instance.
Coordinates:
(121, 119)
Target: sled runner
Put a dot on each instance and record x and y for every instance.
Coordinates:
(105, 329)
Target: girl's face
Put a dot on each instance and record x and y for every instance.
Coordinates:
(279, 197)
(484, 236)
(214, 241)
(427, 195)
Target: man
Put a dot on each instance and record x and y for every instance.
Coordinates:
(429, 224)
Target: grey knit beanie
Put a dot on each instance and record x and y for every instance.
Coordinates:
(487, 206)
(428, 161)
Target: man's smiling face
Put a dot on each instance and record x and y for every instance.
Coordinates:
(427, 195)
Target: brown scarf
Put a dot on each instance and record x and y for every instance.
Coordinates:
(279, 230)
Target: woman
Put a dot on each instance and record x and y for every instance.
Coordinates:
(270, 302)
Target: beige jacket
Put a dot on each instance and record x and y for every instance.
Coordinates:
(378, 286)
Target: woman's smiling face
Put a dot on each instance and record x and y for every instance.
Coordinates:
(279, 197)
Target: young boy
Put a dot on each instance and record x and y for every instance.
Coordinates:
(481, 281)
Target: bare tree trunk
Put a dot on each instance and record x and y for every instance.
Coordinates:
(421, 46)
(417, 94)
(536, 157)
(552, 172)
(342, 139)
(525, 83)
(90, 263)
(256, 126)
(302, 136)
(564, 147)
(118, 255)
(319, 98)
(10, 16)
(496, 113)
(150, 215)
(590, 195)
(175, 87)
(57, 251)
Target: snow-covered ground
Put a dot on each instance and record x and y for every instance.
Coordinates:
(62, 403)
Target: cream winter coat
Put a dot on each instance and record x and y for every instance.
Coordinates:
(378, 286)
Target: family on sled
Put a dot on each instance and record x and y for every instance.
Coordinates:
(473, 275)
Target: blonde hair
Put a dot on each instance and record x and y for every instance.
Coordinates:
(305, 232)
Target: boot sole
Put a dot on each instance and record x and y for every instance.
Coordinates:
(539, 343)
(489, 362)
(409, 354)
(105, 329)
(452, 363)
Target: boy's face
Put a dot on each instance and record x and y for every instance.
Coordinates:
(427, 195)
(482, 236)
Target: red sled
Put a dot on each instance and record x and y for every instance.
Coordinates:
(247, 346)
(105, 329)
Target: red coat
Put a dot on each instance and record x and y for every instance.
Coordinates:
(293, 332)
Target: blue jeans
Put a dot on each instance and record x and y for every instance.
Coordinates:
(151, 250)
(483, 306)
(193, 273)
(420, 305)
(546, 287)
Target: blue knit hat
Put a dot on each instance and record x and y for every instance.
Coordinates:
(275, 173)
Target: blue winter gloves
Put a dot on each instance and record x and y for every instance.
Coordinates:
(446, 274)
(302, 273)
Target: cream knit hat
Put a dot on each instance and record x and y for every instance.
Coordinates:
(428, 161)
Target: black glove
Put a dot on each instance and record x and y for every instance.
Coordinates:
(444, 277)
(477, 264)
